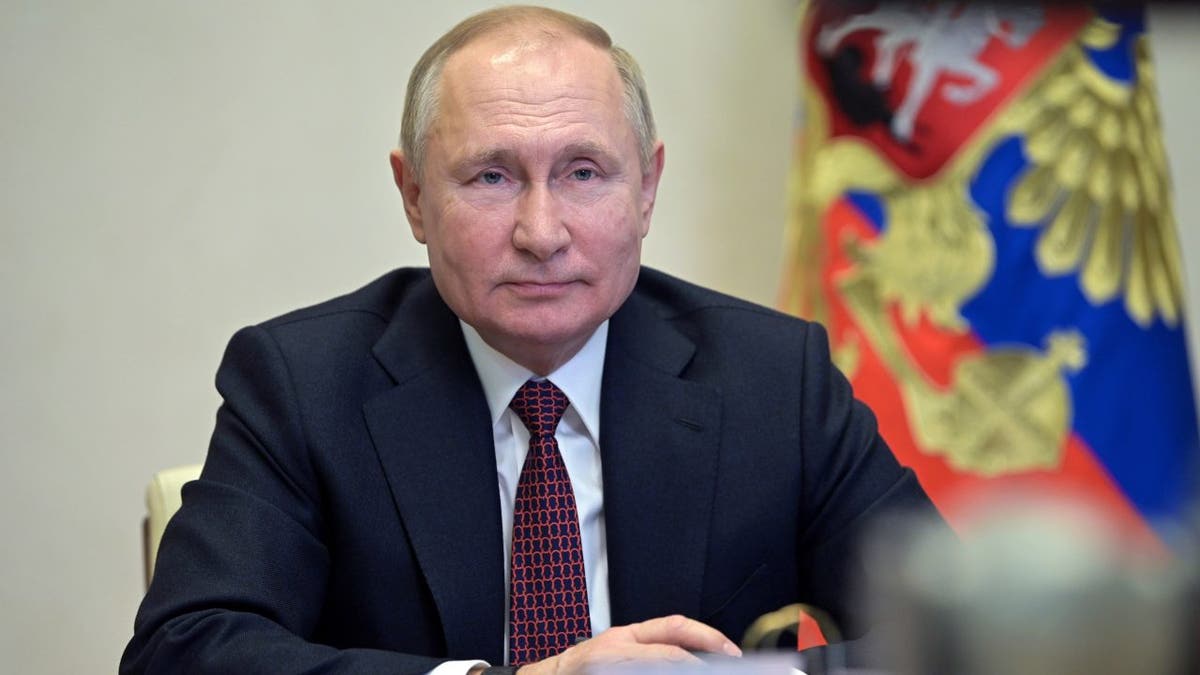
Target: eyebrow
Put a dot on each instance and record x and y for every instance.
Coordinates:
(504, 156)
(588, 149)
(485, 157)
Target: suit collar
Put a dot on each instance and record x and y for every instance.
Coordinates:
(419, 333)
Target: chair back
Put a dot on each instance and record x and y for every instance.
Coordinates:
(162, 501)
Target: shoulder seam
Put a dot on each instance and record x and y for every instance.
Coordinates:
(748, 308)
(305, 316)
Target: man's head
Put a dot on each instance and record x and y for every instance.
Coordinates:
(529, 168)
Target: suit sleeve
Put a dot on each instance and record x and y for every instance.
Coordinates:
(851, 478)
(242, 571)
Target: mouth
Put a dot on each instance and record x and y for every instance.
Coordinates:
(539, 288)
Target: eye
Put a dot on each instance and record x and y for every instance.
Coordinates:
(491, 177)
(583, 174)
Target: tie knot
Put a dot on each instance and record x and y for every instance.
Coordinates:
(540, 406)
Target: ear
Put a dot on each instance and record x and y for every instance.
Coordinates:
(650, 185)
(410, 190)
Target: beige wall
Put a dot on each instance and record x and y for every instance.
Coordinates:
(172, 171)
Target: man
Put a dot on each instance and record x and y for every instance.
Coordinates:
(366, 504)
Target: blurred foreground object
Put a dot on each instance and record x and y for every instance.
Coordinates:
(982, 218)
(1039, 587)
(796, 626)
(799, 627)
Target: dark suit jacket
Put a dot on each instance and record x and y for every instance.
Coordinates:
(347, 517)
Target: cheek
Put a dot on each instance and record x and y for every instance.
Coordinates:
(613, 218)
(623, 235)
(468, 238)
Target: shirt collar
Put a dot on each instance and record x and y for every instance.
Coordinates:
(578, 378)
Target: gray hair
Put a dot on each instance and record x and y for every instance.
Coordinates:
(422, 96)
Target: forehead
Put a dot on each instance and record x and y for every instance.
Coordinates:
(528, 78)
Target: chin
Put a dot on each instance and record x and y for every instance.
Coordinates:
(549, 336)
(551, 329)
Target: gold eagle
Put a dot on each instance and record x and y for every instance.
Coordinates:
(1097, 183)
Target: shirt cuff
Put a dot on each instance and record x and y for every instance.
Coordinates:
(457, 667)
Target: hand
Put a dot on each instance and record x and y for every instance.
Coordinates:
(669, 638)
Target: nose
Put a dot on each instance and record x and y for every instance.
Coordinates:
(539, 229)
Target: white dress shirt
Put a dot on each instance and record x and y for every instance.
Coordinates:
(578, 436)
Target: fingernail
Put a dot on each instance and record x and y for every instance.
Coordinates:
(731, 649)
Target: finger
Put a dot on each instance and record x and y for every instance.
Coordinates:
(631, 651)
(581, 657)
(684, 632)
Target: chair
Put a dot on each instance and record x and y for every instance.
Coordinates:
(162, 501)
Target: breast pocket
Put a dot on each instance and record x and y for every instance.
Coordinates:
(732, 611)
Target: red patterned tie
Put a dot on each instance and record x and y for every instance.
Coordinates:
(548, 608)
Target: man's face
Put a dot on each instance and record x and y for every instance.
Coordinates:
(532, 202)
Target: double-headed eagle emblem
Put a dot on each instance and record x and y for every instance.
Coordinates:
(905, 103)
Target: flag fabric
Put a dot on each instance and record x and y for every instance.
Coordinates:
(982, 219)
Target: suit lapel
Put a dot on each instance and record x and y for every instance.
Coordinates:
(658, 447)
(434, 438)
